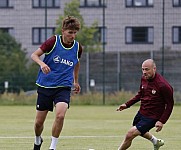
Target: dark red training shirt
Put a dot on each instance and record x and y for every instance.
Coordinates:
(156, 96)
(48, 45)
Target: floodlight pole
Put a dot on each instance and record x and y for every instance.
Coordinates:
(45, 19)
(103, 46)
(163, 36)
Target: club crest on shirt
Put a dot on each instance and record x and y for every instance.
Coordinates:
(153, 91)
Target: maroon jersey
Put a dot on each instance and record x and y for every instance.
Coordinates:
(156, 96)
(48, 45)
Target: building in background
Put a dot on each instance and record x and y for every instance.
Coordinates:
(130, 25)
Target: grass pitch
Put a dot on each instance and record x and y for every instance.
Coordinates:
(85, 127)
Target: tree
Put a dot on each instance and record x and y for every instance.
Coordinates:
(13, 63)
(87, 36)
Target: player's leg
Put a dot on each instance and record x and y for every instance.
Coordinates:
(157, 143)
(144, 126)
(132, 133)
(43, 105)
(61, 101)
(60, 108)
(38, 128)
(39, 121)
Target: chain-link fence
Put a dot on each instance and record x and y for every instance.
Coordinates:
(123, 70)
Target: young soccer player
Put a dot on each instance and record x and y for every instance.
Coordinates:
(58, 73)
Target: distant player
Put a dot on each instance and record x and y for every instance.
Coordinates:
(58, 72)
(156, 96)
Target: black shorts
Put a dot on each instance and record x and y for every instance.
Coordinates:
(143, 124)
(48, 97)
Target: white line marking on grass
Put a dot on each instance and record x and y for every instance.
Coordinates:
(66, 137)
(72, 137)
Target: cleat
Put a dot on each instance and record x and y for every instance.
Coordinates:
(37, 147)
(158, 144)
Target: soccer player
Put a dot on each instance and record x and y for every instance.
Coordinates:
(156, 96)
(58, 73)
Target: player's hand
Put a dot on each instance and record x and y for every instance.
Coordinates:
(121, 107)
(159, 126)
(76, 88)
(45, 69)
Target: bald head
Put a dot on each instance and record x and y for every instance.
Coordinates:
(149, 62)
(149, 68)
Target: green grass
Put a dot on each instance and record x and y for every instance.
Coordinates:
(97, 127)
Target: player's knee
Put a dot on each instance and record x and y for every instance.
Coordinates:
(60, 117)
(130, 135)
(38, 124)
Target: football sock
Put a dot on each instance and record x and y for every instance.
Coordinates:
(37, 140)
(53, 143)
(153, 139)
